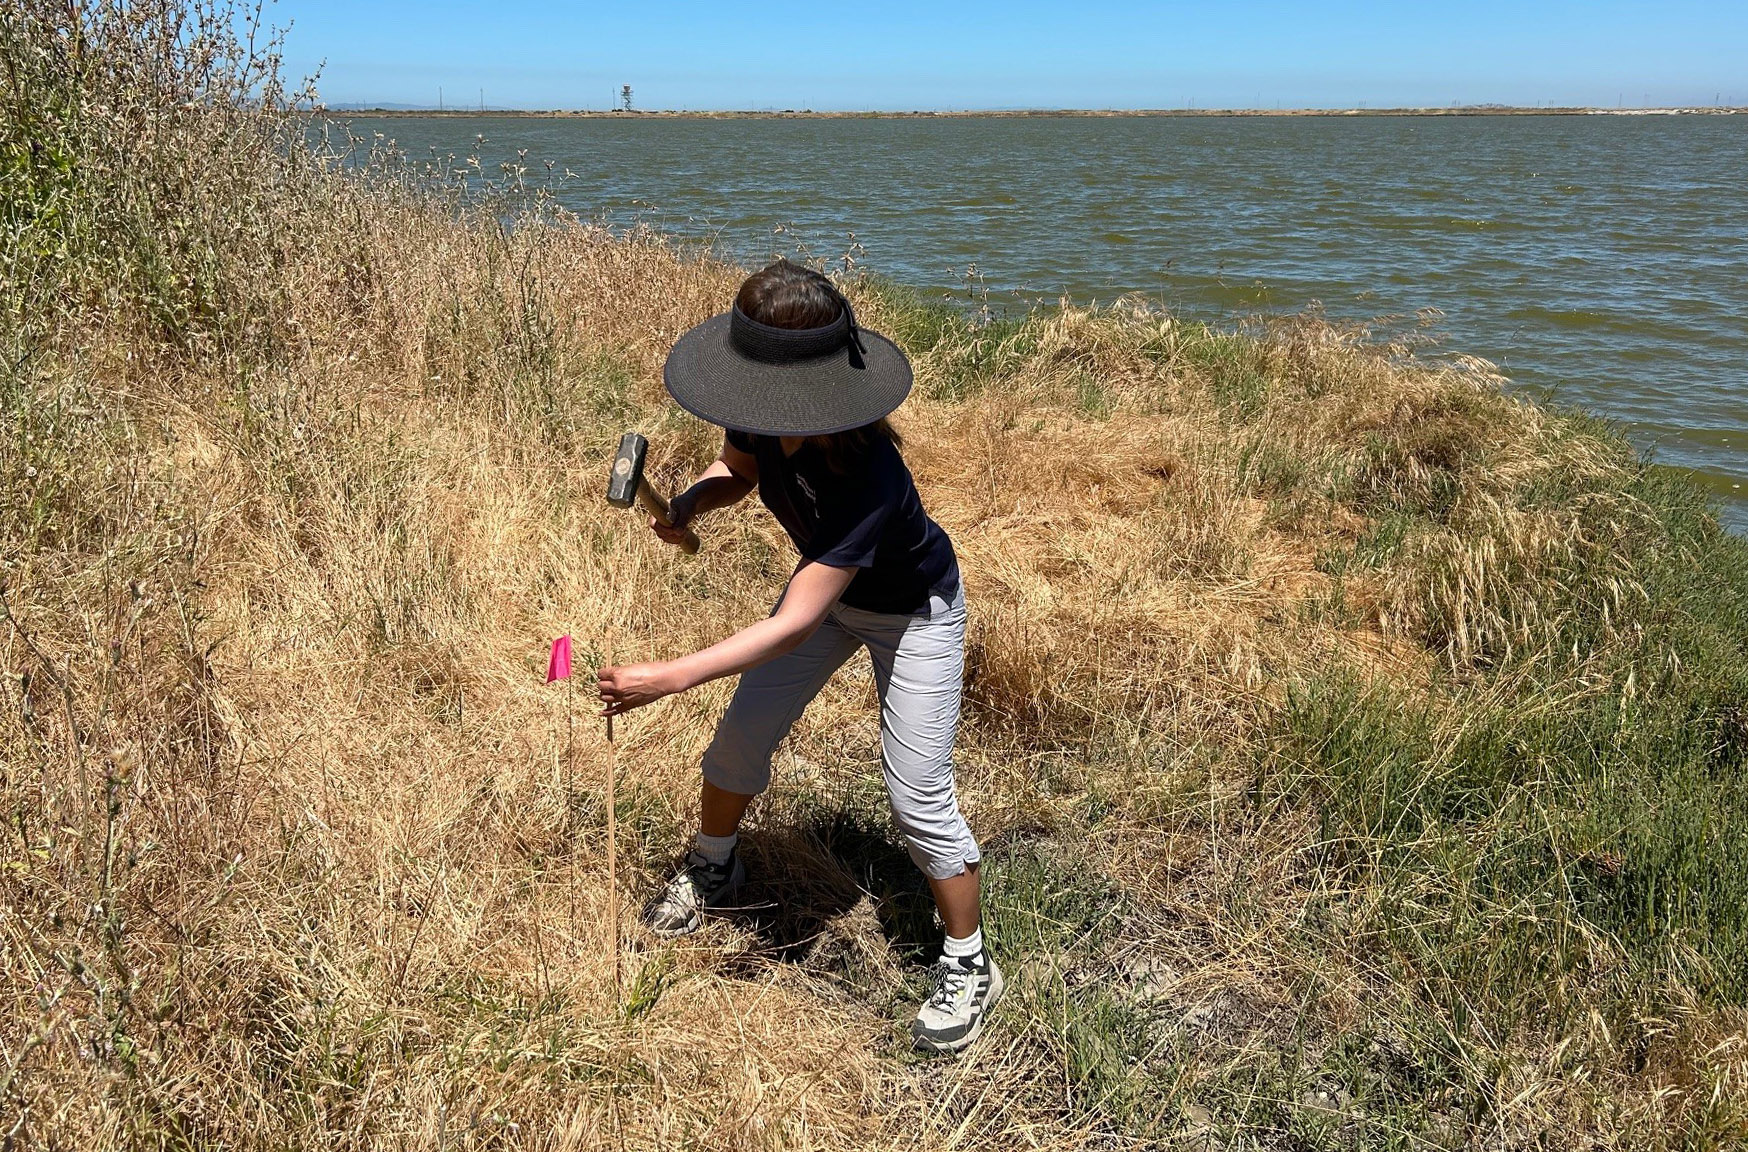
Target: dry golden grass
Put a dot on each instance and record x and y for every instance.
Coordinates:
(301, 851)
(306, 854)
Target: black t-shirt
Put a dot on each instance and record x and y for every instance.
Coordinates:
(869, 518)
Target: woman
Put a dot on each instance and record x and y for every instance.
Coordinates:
(802, 394)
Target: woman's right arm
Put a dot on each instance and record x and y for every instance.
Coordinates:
(734, 474)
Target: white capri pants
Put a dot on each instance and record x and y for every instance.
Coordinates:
(919, 663)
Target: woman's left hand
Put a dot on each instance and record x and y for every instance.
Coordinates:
(632, 686)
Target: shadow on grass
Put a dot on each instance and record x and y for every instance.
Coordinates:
(804, 877)
(836, 892)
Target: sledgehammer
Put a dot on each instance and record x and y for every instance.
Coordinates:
(627, 484)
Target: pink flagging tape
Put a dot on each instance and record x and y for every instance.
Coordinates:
(558, 666)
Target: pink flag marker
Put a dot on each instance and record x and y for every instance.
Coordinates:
(558, 666)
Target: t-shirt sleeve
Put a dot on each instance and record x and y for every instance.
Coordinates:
(741, 441)
(850, 531)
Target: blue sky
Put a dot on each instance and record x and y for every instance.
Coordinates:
(1023, 54)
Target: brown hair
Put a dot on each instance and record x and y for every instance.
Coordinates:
(786, 295)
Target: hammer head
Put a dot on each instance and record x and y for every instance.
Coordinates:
(627, 470)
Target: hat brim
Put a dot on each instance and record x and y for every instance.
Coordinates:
(710, 378)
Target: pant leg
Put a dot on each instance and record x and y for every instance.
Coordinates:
(766, 703)
(919, 664)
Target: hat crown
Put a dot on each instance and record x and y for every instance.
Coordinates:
(769, 344)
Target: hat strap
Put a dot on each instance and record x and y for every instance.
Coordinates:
(850, 319)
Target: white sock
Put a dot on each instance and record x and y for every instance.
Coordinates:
(717, 849)
(969, 949)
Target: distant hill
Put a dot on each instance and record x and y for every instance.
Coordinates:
(379, 105)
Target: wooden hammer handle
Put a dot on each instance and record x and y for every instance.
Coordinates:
(657, 507)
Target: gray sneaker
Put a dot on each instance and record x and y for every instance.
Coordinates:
(952, 1016)
(698, 885)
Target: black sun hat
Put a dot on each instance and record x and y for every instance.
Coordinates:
(747, 376)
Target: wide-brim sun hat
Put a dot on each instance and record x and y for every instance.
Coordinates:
(747, 376)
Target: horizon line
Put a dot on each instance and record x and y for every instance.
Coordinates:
(401, 108)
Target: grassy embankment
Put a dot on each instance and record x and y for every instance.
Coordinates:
(1358, 751)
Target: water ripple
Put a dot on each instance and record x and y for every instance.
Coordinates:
(1600, 260)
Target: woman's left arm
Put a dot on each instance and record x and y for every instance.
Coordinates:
(812, 590)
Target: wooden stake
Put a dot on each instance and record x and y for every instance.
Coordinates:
(613, 863)
(570, 798)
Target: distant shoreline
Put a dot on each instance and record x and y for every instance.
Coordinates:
(1017, 114)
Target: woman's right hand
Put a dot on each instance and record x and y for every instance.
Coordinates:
(681, 508)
